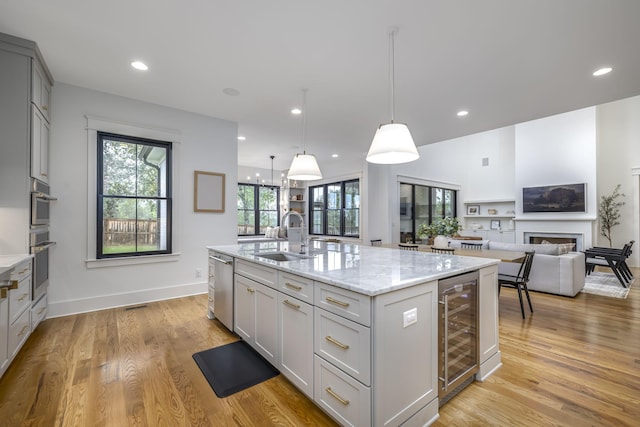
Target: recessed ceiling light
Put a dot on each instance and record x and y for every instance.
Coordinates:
(139, 65)
(230, 91)
(296, 111)
(242, 138)
(462, 113)
(334, 155)
(602, 71)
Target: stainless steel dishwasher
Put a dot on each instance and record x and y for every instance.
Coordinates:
(223, 289)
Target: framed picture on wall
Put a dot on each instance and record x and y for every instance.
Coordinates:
(473, 209)
(495, 224)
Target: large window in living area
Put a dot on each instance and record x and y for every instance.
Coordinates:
(258, 207)
(133, 196)
(421, 204)
(335, 209)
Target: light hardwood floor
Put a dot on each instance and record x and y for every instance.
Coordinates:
(574, 362)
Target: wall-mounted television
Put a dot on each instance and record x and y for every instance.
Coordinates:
(554, 198)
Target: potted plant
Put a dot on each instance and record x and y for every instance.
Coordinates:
(609, 212)
(440, 229)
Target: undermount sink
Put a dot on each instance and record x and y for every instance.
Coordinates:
(281, 256)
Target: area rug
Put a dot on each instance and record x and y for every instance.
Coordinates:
(233, 367)
(605, 284)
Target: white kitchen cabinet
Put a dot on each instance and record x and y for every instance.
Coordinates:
(296, 342)
(501, 236)
(256, 316)
(344, 343)
(489, 352)
(345, 399)
(39, 312)
(19, 307)
(4, 326)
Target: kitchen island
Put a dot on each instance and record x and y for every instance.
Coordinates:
(355, 327)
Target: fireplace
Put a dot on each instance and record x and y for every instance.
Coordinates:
(536, 237)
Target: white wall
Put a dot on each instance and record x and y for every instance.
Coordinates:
(455, 163)
(560, 149)
(618, 155)
(205, 143)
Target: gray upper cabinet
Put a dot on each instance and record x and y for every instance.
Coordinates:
(40, 89)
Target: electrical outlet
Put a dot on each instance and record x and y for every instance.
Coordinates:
(198, 272)
(409, 317)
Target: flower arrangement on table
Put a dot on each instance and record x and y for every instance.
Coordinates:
(447, 226)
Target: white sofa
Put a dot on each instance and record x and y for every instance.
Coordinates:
(554, 269)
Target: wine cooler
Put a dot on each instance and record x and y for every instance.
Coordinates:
(457, 333)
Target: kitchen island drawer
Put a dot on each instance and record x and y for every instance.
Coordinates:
(344, 343)
(345, 303)
(265, 275)
(19, 332)
(341, 396)
(38, 312)
(19, 298)
(21, 271)
(296, 286)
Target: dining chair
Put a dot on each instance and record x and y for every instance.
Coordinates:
(408, 247)
(436, 250)
(519, 281)
(614, 258)
(376, 242)
(471, 245)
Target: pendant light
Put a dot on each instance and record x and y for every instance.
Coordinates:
(304, 167)
(392, 142)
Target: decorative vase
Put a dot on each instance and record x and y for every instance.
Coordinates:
(441, 241)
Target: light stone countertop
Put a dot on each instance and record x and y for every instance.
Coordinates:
(364, 269)
(8, 262)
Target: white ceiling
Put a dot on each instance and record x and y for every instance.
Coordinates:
(506, 61)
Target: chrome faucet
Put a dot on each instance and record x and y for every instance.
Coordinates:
(301, 219)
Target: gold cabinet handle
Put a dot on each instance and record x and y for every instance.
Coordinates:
(292, 286)
(251, 290)
(335, 301)
(22, 297)
(42, 310)
(45, 108)
(3, 293)
(24, 330)
(345, 402)
(14, 285)
(292, 305)
(336, 342)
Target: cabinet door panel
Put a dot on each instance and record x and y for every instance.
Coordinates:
(296, 342)
(39, 146)
(244, 312)
(266, 330)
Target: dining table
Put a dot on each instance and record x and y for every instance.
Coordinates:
(504, 256)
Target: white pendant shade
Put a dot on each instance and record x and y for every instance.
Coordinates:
(304, 167)
(392, 144)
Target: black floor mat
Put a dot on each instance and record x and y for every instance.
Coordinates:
(233, 367)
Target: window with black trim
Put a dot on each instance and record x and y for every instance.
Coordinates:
(421, 204)
(258, 207)
(134, 196)
(335, 209)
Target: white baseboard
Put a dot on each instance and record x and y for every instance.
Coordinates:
(102, 302)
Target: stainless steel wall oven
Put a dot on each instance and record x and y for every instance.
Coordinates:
(39, 242)
(458, 338)
(40, 245)
(40, 200)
